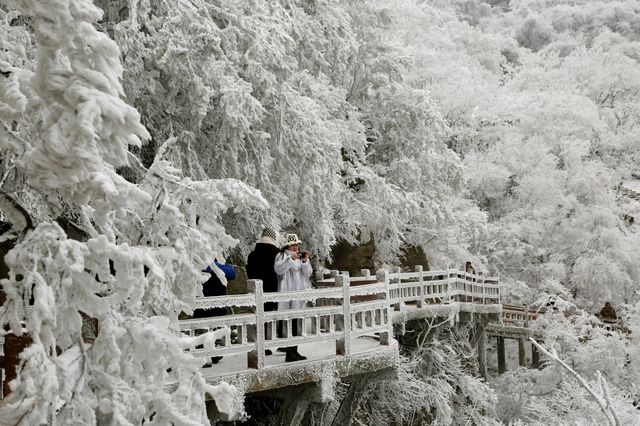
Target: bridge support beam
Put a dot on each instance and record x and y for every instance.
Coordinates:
(522, 355)
(357, 387)
(502, 365)
(465, 317)
(292, 412)
(482, 354)
(535, 357)
(297, 400)
(350, 402)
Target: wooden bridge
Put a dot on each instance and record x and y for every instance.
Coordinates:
(346, 332)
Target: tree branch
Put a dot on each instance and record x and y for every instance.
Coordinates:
(604, 403)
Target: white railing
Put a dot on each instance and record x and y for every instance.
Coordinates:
(431, 287)
(340, 317)
(442, 287)
(520, 315)
(343, 308)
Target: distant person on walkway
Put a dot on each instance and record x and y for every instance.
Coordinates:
(468, 267)
(214, 287)
(293, 269)
(608, 313)
(260, 266)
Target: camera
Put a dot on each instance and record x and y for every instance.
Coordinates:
(302, 254)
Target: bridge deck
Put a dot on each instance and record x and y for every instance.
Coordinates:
(511, 331)
(322, 365)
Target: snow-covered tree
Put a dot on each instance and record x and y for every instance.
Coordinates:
(601, 360)
(134, 268)
(435, 383)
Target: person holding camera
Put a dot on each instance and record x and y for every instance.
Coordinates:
(293, 268)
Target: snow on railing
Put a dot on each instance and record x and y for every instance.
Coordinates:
(520, 315)
(432, 287)
(344, 308)
(338, 315)
(446, 286)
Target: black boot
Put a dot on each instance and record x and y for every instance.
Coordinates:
(214, 360)
(293, 355)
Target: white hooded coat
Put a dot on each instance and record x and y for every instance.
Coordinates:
(293, 275)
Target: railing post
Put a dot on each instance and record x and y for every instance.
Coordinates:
(385, 337)
(448, 285)
(256, 356)
(398, 306)
(421, 298)
(526, 315)
(365, 272)
(343, 345)
(464, 285)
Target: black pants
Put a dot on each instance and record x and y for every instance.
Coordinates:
(294, 328)
(270, 307)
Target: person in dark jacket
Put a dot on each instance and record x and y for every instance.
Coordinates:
(214, 287)
(260, 266)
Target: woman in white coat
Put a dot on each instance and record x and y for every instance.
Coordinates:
(293, 269)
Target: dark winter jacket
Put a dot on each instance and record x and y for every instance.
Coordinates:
(214, 287)
(260, 267)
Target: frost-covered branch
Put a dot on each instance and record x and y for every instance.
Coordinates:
(603, 401)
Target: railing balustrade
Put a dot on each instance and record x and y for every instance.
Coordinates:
(344, 308)
(520, 315)
(341, 321)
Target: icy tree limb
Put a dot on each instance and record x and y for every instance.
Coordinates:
(605, 392)
(15, 213)
(604, 403)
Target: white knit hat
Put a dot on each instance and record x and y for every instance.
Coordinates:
(291, 239)
(269, 236)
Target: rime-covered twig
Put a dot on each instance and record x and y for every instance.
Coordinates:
(604, 403)
(605, 392)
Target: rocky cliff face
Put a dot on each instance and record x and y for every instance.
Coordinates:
(353, 258)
